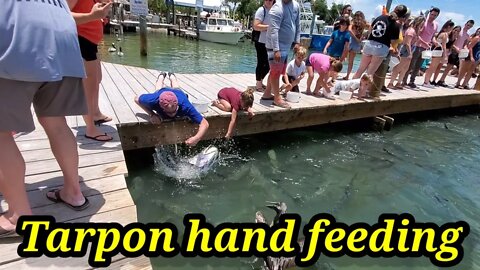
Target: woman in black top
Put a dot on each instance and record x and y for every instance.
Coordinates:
(452, 57)
(383, 30)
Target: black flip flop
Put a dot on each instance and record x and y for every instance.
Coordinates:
(269, 98)
(101, 121)
(96, 138)
(58, 199)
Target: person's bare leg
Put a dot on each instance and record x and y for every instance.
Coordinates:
(351, 57)
(64, 148)
(173, 81)
(437, 71)
(12, 182)
(268, 91)
(364, 63)
(309, 79)
(445, 73)
(431, 69)
(373, 65)
(464, 68)
(469, 74)
(276, 90)
(405, 64)
(223, 105)
(98, 115)
(394, 75)
(91, 87)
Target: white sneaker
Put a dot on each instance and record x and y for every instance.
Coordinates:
(427, 85)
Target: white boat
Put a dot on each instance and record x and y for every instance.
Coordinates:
(220, 29)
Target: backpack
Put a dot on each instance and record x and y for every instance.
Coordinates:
(255, 33)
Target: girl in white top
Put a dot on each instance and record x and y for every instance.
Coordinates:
(295, 71)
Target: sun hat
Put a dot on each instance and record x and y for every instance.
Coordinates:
(168, 101)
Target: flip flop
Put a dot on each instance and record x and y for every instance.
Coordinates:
(96, 138)
(283, 104)
(267, 98)
(101, 121)
(58, 199)
(261, 90)
(8, 233)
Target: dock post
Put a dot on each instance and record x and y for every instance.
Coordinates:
(143, 35)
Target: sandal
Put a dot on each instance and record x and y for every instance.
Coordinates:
(58, 199)
(101, 121)
(267, 98)
(283, 104)
(97, 138)
(163, 74)
(466, 87)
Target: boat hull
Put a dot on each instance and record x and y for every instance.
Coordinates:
(220, 36)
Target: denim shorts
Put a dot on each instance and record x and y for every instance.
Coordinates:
(355, 46)
(404, 51)
(374, 48)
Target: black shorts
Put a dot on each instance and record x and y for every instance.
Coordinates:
(89, 49)
(453, 59)
(291, 79)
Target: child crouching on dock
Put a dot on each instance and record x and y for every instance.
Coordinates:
(363, 85)
(327, 67)
(233, 100)
(295, 71)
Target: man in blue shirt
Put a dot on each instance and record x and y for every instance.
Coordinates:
(170, 103)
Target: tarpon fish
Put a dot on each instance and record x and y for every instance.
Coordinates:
(205, 159)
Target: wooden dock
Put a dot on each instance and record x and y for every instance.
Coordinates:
(122, 83)
(103, 168)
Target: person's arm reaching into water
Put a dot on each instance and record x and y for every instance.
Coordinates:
(231, 125)
(202, 129)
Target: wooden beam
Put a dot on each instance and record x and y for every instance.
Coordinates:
(143, 135)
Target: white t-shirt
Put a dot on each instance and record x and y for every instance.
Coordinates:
(294, 70)
(350, 85)
(263, 16)
(38, 41)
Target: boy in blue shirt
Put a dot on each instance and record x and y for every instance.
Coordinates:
(169, 103)
(339, 42)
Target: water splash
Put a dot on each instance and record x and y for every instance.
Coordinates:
(173, 162)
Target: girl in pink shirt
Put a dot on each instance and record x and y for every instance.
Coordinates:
(327, 67)
(233, 100)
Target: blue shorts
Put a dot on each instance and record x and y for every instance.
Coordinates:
(374, 48)
(355, 46)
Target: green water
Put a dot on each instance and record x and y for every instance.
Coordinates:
(183, 55)
(426, 166)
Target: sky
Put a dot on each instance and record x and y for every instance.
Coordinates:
(460, 11)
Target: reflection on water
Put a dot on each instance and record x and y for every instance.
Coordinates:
(427, 168)
(183, 55)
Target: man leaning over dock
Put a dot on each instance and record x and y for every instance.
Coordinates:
(283, 31)
(169, 103)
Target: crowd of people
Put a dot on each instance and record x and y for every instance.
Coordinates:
(60, 74)
(398, 35)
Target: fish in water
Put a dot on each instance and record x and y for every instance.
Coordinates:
(205, 159)
(170, 163)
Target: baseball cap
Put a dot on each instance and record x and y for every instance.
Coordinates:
(168, 101)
